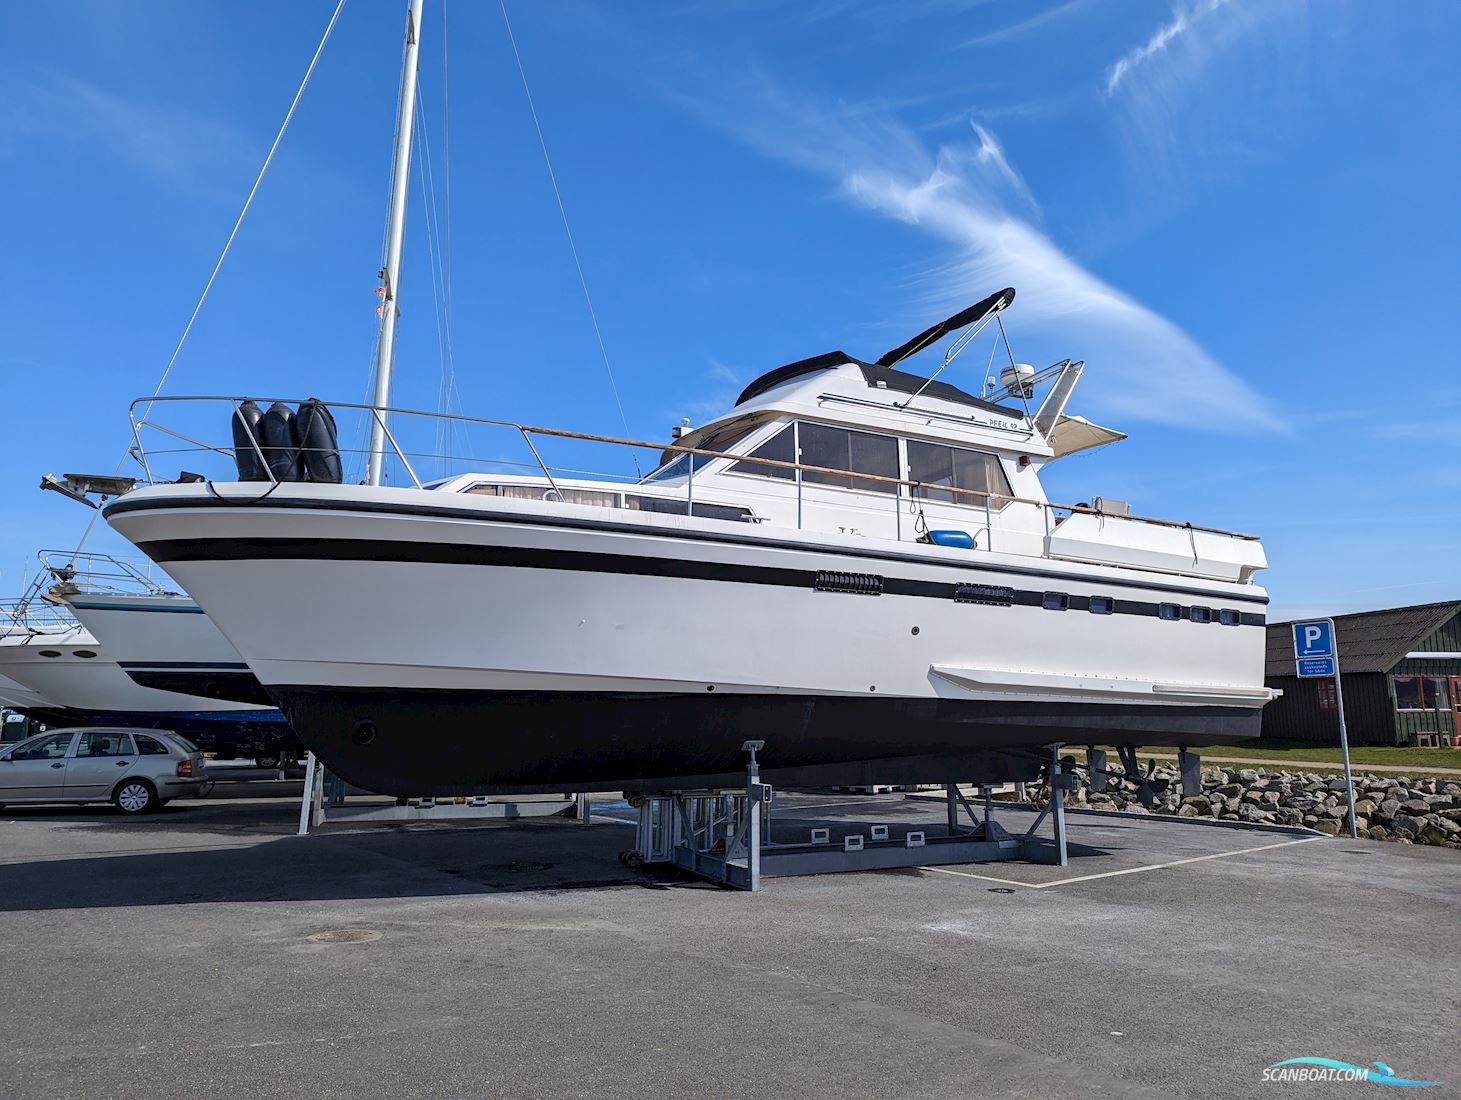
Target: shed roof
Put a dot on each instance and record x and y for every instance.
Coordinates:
(1369, 641)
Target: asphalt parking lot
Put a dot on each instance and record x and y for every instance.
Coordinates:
(206, 950)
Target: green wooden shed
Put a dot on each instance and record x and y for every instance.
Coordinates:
(1401, 670)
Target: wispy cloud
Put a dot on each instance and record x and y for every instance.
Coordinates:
(1182, 22)
(970, 197)
(1028, 25)
(176, 146)
(1209, 89)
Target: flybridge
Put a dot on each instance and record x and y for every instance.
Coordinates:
(881, 374)
(1046, 424)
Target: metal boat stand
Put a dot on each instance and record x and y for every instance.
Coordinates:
(725, 835)
(325, 797)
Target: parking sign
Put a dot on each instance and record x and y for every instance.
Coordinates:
(1314, 639)
(1317, 655)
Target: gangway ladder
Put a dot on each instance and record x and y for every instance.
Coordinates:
(725, 836)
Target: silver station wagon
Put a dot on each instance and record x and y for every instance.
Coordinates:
(138, 770)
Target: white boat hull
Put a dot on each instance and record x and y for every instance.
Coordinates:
(80, 683)
(166, 642)
(430, 645)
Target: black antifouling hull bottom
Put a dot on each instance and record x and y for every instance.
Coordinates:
(416, 742)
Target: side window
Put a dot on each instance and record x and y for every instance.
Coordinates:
(1407, 693)
(781, 447)
(856, 452)
(541, 492)
(941, 468)
(47, 748)
(110, 743)
(150, 746)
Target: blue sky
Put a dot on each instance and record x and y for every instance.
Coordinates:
(1241, 213)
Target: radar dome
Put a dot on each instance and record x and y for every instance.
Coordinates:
(1017, 378)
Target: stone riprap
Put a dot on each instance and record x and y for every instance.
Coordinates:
(1410, 811)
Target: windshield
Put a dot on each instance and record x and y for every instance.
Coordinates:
(722, 439)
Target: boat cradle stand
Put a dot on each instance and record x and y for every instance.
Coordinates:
(325, 800)
(725, 835)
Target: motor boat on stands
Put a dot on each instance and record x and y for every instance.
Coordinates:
(856, 564)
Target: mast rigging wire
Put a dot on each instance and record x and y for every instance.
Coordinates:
(446, 430)
(228, 244)
(568, 231)
(248, 202)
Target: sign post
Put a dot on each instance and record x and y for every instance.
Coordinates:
(1316, 654)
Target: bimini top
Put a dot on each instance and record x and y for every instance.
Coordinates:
(881, 375)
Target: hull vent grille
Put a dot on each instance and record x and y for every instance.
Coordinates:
(857, 584)
(996, 594)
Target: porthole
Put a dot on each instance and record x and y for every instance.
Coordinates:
(1169, 611)
(1199, 614)
(50, 653)
(1102, 605)
(1056, 601)
(86, 654)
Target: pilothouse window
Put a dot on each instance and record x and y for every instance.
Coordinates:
(856, 452)
(939, 468)
(781, 447)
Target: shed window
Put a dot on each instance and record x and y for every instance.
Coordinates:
(1422, 693)
(938, 468)
(841, 449)
(1327, 702)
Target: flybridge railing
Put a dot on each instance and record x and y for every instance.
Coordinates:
(904, 491)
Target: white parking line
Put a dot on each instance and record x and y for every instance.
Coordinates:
(1126, 871)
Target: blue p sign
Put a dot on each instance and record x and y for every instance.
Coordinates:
(1314, 639)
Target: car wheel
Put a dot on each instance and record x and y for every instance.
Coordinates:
(135, 796)
(269, 762)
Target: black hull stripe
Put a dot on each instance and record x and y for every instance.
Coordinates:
(143, 608)
(169, 551)
(235, 684)
(122, 504)
(233, 665)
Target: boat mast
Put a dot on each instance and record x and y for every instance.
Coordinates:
(395, 231)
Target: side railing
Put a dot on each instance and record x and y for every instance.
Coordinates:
(903, 491)
(102, 574)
